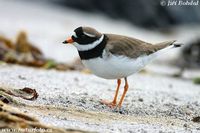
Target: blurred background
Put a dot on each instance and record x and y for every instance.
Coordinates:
(48, 22)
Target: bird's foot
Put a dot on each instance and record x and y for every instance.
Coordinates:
(109, 104)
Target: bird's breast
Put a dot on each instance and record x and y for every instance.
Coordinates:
(115, 67)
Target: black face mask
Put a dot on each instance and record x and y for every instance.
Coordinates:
(81, 38)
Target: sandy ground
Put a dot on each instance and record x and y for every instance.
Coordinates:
(71, 99)
(155, 102)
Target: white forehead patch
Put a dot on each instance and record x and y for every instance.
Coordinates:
(90, 35)
(75, 35)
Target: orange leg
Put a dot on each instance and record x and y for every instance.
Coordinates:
(114, 102)
(124, 93)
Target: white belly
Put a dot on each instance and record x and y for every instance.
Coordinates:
(116, 67)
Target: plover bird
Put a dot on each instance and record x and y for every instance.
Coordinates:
(112, 56)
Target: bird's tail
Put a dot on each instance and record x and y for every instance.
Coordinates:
(166, 46)
(163, 46)
(176, 45)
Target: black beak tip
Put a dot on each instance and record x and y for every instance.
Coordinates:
(64, 42)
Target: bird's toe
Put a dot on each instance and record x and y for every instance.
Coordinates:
(109, 104)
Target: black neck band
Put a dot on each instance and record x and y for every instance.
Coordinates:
(95, 52)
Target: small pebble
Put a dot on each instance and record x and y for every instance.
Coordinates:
(196, 119)
(21, 77)
(185, 125)
(140, 99)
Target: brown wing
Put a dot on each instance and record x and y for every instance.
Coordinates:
(131, 47)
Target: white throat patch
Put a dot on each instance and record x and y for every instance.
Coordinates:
(89, 46)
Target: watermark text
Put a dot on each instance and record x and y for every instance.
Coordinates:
(179, 2)
(24, 130)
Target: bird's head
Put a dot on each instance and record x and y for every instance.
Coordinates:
(83, 36)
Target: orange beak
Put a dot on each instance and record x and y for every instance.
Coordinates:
(69, 40)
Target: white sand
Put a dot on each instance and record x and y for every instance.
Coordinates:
(167, 103)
